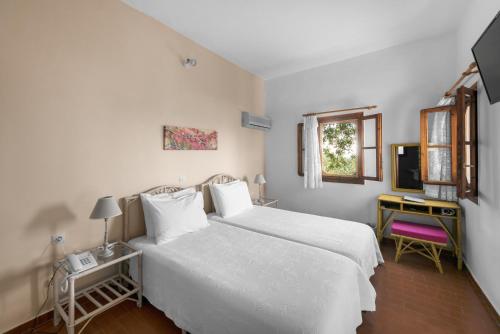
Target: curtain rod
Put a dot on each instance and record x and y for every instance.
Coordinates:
(472, 69)
(339, 110)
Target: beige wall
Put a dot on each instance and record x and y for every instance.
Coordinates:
(85, 88)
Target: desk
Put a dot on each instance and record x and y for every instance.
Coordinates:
(395, 205)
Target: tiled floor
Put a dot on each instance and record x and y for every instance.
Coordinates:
(412, 297)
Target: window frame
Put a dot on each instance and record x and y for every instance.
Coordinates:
(359, 118)
(378, 147)
(424, 144)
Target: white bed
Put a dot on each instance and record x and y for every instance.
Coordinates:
(224, 279)
(355, 240)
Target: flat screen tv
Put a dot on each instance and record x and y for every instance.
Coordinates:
(487, 54)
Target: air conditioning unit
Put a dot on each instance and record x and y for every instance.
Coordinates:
(255, 122)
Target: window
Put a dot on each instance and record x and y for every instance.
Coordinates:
(448, 140)
(467, 186)
(350, 148)
(340, 138)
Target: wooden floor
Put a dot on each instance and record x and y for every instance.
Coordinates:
(412, 297)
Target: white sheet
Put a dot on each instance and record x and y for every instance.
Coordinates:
(354, 240)
(224, 279)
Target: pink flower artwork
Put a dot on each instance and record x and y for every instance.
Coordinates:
(179, 138)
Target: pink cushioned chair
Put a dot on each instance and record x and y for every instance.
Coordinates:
(431, 240)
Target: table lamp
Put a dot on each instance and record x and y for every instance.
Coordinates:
(105, 208)
(260, 180)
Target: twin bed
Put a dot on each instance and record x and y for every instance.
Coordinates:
(353, 240)
(261, 271)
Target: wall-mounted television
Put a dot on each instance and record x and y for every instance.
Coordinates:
(487, 54)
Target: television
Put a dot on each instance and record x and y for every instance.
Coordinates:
(487, 54)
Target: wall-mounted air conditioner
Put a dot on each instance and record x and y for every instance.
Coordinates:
(255, 122)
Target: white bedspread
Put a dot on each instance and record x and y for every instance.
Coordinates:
(354, 240)
(224, 279)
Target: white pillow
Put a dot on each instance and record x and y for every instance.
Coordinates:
(232, 198)
(214, 196)
(147, 207)
(173, 217)
(150, 232)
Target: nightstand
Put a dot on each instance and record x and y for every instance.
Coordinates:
(79, 304)
(266, 202)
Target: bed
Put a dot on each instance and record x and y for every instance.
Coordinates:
(354, 240)
(224, 279)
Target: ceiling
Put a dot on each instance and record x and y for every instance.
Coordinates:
(272, 38)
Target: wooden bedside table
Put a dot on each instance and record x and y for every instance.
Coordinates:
(266, 202)
(83, 303)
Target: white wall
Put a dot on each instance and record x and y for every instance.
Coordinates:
(482, 245)
(400, 80)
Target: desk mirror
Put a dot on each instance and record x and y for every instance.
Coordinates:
(406, 168)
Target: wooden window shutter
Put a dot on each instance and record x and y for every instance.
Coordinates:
(300, 149)
(372, 147)
(467, 185)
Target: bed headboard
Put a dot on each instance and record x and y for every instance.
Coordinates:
(205, 189)
(133, 214)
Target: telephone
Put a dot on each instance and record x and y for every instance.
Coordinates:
(77, 263)
(80, 262)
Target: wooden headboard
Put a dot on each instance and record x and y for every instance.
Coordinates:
(133, 214)
(205, 189)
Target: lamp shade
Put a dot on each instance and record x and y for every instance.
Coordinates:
(106, 207)
(259, 179)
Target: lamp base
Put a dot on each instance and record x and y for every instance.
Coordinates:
(105, 252)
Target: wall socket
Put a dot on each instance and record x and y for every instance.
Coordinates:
(57, 239)
(182, 180)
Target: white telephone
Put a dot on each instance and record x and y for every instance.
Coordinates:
(77, 263)
(81, 262)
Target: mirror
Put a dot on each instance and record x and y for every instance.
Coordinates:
(406, 168)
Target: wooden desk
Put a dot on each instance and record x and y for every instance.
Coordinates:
(430, 208)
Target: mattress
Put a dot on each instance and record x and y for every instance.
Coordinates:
(355, 240)
(224, 279)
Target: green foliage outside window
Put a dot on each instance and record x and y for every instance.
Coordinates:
(339, 154)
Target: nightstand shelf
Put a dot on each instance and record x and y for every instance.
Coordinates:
(265, 202)
(82, 304)
(97, 298)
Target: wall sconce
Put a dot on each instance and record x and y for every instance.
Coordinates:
(189, 62)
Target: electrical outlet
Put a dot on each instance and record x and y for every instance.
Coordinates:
(182, 179)
(57, 239)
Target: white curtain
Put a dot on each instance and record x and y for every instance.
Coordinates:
(312, 160)
(440, 159)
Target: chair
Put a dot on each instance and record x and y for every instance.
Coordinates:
(430, 240)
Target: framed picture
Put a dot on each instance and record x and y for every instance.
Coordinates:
(180, 138)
